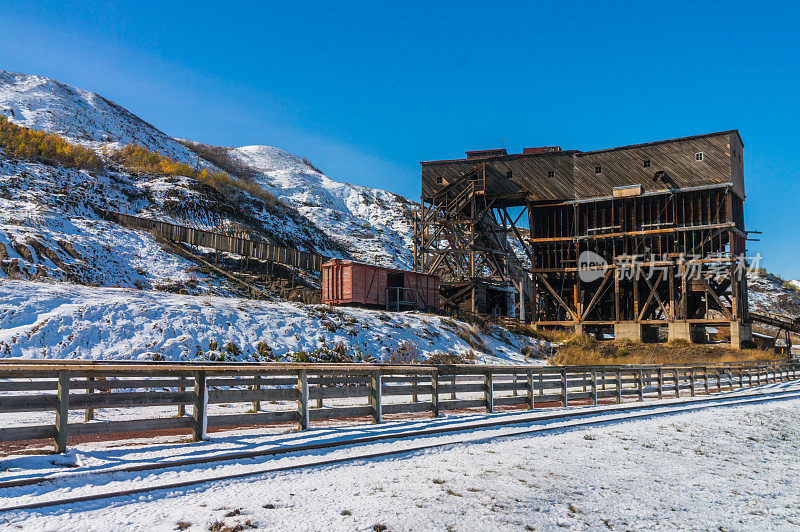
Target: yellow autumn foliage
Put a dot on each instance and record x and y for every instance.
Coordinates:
(24, 143)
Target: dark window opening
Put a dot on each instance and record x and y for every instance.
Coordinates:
(698, 156)
(439, 180)
(508, 174)
(734, 152)
(551, 173)
(598, 169)
(395, 280)
(647, 163)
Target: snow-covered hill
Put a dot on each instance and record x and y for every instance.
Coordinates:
(49, 226)
(769, 294)
(374, 225)
(80, 116)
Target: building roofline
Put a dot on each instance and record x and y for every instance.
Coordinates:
(580, 153)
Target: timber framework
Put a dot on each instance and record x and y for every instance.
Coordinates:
(640, 241)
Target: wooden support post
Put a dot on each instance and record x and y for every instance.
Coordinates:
(257, 402)
(182, 407)
(302, 399)
(691, 381)
(529, 390)
(677, 376)
(62, 411)
(89, 414)
(640, 386)
(435, 395)
(200, 407)
(594, 388)
(453, 393)
(564, 391)
(414, 381)
(515, 393)
(488, 391)
(619, 387)
(705, 379)
(375, 389)
(660, 383)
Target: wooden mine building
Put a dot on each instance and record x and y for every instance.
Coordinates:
(626, 240)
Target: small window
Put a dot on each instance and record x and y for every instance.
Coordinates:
(646, 163)
(698, 156)
(439, 180)
(598, 169)
(551, 173)
(508, 174)
(734, 153)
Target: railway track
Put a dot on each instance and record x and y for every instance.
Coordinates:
(557, 421)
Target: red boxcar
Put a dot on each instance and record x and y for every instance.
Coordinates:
(346, 282)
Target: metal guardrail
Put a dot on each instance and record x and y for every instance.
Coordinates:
(288, 391)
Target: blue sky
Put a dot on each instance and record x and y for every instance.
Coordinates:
(367, 90)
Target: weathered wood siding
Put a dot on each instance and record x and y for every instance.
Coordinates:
(574, 176)
(220, 242)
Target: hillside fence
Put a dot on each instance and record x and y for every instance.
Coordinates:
(303, 394)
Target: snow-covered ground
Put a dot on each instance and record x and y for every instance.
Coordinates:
(726, 468)
(42, 320)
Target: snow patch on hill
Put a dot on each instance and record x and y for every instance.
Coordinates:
(39, 320)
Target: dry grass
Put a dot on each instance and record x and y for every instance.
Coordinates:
(139, 159)
(583, 350)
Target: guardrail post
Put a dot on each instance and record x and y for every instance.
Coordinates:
(257, 387)
(375, 396)
(89, 414)
(488, 391)
(660, 383)
(640, 386)
(594, 388)
(619, 387)
(302, 399)
(529, 389)
(415, 395)
(453, 393)
(181, 407)
(200, 407)
(691, 381)
(564, 390)
(62, 411)
(435, 394)
(705, 379)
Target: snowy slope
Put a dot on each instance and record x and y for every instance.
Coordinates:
(49, 222)
(332, 218)
(78, 115)
(68, 321)
(768, 294)
(374, 225)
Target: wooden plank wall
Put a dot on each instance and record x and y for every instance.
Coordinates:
(231, 244)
